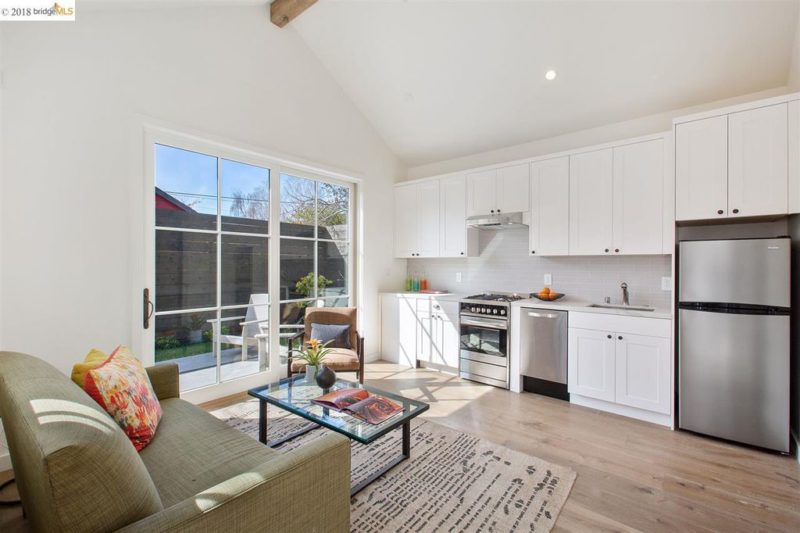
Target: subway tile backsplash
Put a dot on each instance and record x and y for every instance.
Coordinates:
(504, 265)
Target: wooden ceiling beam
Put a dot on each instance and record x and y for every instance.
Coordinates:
(282, 12)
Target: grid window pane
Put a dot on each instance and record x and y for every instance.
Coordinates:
(332, 266)
(298, 206)
(297, 269)
(187, 339)
(243, 341)
(333, 208)
(186, 189)
(244, 269)
(245, 197)
(186, 270)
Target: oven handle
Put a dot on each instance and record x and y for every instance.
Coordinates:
(487, 323)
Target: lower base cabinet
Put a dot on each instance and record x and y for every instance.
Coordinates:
(625, 361)
(419, 330)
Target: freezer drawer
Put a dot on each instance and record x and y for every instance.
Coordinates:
(747, 271)
(734, 377)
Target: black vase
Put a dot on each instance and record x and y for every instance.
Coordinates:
(325, 377)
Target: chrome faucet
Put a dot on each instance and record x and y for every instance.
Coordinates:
(625, 300)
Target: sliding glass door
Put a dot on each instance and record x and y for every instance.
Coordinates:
(218, 273)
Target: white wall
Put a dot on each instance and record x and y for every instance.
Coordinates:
(504, 265)
(794, 68)
(75, 97)
(603, 134)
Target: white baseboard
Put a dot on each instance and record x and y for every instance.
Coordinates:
(624, 410)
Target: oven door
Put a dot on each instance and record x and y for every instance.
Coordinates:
(484, 340)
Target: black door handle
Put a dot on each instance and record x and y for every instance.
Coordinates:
(720, 211)
(147, 308)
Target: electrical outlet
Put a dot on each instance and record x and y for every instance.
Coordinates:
(458, 277)
(548, 280)
(666, 284)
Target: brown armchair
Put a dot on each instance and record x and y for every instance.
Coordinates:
(338, 359)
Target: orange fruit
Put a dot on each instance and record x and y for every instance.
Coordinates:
(545, 291)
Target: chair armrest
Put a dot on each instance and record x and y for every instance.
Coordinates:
(307, 489)
(165, 380)
(293, 339)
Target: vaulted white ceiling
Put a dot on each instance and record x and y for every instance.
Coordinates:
(445, 79)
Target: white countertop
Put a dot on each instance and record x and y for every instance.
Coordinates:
(574, 304)
(446, 296)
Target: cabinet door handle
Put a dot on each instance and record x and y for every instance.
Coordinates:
(609, 336)
(606, 250)
(735, 211)
(533, 251)
(620, 337)
(498, 210)
(616, 250)
(720, 211)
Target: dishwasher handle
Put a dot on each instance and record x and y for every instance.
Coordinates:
(542, 315)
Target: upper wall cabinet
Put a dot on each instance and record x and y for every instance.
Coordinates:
(639, 198)
(590, 202)
(733, 165)
(416, 219)
(758, 174)
(430, 219)
(549, 225)
(453, 217)
(503, 190)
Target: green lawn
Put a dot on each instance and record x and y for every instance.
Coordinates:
(168, 354)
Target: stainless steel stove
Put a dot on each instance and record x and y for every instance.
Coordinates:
(484, 325)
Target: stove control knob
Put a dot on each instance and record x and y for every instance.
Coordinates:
(494, 311)
(483, 310)
(472, 309)
(502, 311)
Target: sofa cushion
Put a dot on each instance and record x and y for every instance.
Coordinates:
(336, 359)
(75, 468)
(193, 451)
(94, 359)
(122, 388)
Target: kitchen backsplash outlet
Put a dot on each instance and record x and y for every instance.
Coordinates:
(504, 265)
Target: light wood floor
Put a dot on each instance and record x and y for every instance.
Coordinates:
(631, 475)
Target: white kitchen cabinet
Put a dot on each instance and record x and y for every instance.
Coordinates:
(503, 190)
(445, 337)
(794, 156)
(416, 211)
(591, 203)
(758, 161)
(399, 328)
(425, 330)
(590, 364)
(701, 169)
(621, 364)
(481, 192)
(638, 198)
(513, 189)
(455, 239)
(549, 203)
(643, 372)
(405, 220)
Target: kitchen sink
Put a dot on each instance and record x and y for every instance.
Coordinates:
(625, 307)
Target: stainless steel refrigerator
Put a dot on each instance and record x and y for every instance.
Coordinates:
(733, 340)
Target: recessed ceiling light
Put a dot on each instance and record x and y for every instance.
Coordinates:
(550, 75)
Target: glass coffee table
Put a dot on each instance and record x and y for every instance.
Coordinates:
(294, 395)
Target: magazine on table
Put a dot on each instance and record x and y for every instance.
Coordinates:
(361, 404)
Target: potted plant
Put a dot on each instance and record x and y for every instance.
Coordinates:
(196, 328)
(313, 352)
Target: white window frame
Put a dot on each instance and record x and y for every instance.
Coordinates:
(153, 135)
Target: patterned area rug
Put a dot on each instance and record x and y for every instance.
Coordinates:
(453, 482)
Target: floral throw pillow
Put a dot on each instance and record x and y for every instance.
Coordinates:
(122, 388)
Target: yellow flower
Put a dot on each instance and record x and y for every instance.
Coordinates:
(313, 344)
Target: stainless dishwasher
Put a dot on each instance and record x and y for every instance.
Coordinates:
(543, 351)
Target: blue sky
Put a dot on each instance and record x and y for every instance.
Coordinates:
(192, 177)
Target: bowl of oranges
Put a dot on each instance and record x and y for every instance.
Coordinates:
(548, 295)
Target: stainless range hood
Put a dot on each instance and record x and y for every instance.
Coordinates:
(498, 222)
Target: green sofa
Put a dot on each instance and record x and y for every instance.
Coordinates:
(77, 471)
